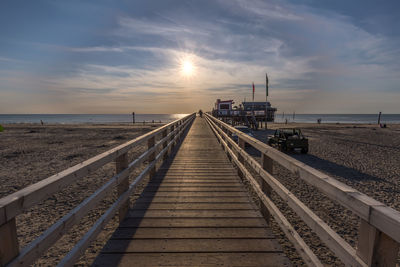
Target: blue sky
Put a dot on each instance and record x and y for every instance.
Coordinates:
(123, 56)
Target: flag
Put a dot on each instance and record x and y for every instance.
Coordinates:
(266, 84)
(253, 91)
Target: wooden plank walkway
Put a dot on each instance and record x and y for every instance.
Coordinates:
(194, 212)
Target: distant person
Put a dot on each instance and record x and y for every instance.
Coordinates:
(200, 113)
(319, 121)
(41, 122)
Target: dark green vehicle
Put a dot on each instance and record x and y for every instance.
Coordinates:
(289, 139)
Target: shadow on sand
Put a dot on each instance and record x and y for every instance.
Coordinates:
(332, 168)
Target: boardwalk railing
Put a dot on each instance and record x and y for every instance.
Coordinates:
(379, 232)
(18, 202)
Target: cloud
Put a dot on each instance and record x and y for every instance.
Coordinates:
(95, 49)
(307, 52)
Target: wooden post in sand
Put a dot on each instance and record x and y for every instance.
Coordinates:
(376, 248)
(121, 163)
(379, 118)
(133, 117)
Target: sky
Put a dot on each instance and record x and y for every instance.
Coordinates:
(171, 56)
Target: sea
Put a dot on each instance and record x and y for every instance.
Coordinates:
(338, 118)
(87, 118)
(139, 118)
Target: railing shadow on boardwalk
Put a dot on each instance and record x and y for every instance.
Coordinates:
(155, 184)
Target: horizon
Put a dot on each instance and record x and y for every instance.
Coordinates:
(169, 57)
(130, 114)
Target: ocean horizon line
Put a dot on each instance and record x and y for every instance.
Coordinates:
(289, 113)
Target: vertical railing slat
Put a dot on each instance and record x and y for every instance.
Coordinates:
(152, 156)
(376, 248)
(9, 247)
(267, 164)
(164, 134)
(121, 163)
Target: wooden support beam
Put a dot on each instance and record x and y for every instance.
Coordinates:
(122, 163)
(152, 156)
(376, 248)
(9, 248)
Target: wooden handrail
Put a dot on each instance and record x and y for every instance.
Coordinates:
(301, 247)
(82, 245)
(53, 184)
(373, 214)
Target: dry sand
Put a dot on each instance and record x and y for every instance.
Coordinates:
(30, 153)
(362, 156)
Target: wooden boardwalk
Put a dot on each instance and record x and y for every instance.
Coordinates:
(194, 212)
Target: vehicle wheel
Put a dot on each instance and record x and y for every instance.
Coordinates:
(304, 150)
(283, 148)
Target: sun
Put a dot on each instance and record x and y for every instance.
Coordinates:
(187, 67)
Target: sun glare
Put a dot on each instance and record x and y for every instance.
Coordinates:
(187, 68)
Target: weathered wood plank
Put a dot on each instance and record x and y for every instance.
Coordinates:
(199, 199)
(193, 259)
(192, 245)
(196, 209)
(191, 232)
(182, 184)
(193, 206)
(195, 194)
(194, 189)
(192, 213)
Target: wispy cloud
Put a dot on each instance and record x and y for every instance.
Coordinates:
(309, 53)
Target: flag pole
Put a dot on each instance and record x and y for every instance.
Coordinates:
(266, 100)
(253, 97)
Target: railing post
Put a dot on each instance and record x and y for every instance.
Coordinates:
(9, 248)
(164, 134)
(172, 137)
(376, 248)
(121, 163)
(242, 145)
(179, 132)
(150, 143)
(229, 133)
(266, 163)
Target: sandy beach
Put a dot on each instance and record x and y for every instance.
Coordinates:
(31, 152)
(365, 157)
